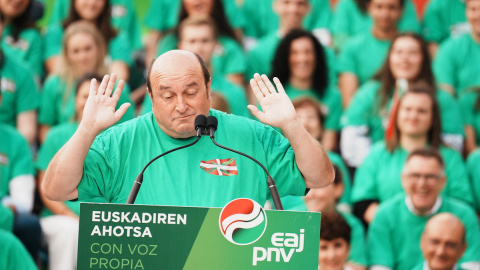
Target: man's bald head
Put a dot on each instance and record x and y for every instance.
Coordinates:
(443, 241)
(176, 60)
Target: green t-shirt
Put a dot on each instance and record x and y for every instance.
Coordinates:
(350, 21)
(163, 14)
(118, 49)
(444, 18)
(262, 20)
(28, 48)
(214, 176)
(363, 111)
(362, 56)
(331, 103)
(123, 17)
(471, 115)
(55, 108)
(378, 178)
(234, 95)
(259, 59)
(15, 157)
(19, 91)
(14, 255)
(6, 218)
(474, 172)
(228, 57)
(422, 266)
(455, 65)
(393, 238)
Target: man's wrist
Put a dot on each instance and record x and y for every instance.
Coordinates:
(291, 128)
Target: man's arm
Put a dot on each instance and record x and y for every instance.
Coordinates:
(278, 111)
(66, 169)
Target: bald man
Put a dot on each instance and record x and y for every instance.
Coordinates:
(178, 82)
(443, 243)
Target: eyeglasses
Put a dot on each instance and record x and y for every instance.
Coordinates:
(429, 178)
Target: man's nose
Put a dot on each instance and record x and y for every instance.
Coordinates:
(181, 105)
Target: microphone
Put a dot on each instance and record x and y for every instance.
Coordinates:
(212, 124)
(200, 124)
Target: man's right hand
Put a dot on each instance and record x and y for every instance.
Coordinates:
(99, 112)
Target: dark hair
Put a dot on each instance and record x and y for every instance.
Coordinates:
(333, 226)
(362, 5)
(385, 75)
(21, 22)
(428, 152)
(433, 135)
(281, 67)
(205, 73)
(87, 78)
(218, 15)
(103, 22)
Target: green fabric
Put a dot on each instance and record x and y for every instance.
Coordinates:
(228, 57)
(444, 18)
(378, 178)
(349, 21)
(119, 154)
(262, 20)
(19, 91)
(14, 254)
(124, 18)
(331, 103)
(119, 48)
(471, 116)
(15, 157)
(56, 109)
(363, 56)
(6, 218)
(259, 59)
(28, 48)
(163, 14)
(393, 237)
(420, 267)
(474, 173)
(363, 112)
(456, 63)
(234, 95)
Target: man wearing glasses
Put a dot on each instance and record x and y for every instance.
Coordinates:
(394, 234)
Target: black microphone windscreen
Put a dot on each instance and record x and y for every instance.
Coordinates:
(200, 121)
(212, 122)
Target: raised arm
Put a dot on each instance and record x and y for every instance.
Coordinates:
(66, 169)
(278, 111)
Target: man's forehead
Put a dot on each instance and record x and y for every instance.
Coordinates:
(422, 163)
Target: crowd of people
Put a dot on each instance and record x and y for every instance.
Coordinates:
(392, 93)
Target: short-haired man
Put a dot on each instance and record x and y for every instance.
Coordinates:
(179, 84)
(394, 235)
(443, 243)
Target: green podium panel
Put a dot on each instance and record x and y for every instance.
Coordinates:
(242, 235)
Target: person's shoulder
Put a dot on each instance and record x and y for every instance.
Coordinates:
(457, 207)
(474, 157)
(268, 40)
(391, 206)
(9, 131)
(11, 136)
(379, 147)
(15, 65)
(128, 129)
(351, 219)
(449, 153)
(63, 129)
(54, 29)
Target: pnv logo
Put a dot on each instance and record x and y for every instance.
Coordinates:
(243, 221)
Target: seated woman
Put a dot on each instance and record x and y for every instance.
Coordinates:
(59, 220)
(20, 38)
(83, 52)
(365, 121)
(118, 45)
(416, 125)
(300, 63)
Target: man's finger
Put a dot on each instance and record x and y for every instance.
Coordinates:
(121, 111)
(118, 91)
(279, 85)
(103, 85)
(258, 94)
(256, 112)
(111, 84)
(93, 87)
(269, 84)
(261, 85)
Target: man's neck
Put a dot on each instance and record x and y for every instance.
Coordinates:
(384, 34)
(301, 83)
(426, 211)
(410, 142)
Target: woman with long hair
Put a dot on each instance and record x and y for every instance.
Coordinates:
(98, 13)
(83, 51)
(300, 63)
(370, 112)
(416, 125)
(20, 37)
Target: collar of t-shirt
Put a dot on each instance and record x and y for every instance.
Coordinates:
(411, 208)
(425, 266)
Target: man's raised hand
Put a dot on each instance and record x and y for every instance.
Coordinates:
(99, 112)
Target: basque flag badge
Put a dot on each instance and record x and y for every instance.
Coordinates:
(223, 167)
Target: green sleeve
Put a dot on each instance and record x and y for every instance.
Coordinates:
(119, 49)
(434, 30)
(6, 218)
(458, 185)
(231, 60)
(28, 94)
(467, 106)
(169, 42)
(358, 248)
(346, 61)
(48, 114)
(444, 65)
(53, 41)
(21, 160)
(59, 11)
(334, 103)
(365, 186)
(380, 249)
(14, 254)
(474, 173)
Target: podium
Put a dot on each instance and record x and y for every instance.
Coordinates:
(241, 235)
